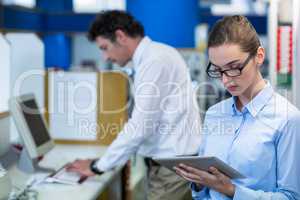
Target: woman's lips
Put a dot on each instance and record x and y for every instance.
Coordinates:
(232, 88)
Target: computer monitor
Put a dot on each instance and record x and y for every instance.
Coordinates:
(4, 136)
(31, 126)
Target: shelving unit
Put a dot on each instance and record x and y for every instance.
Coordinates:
(292, 91)
(296, 50)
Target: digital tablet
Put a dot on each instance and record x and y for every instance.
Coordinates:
(202, 163)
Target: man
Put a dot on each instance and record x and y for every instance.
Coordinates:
(165, 120)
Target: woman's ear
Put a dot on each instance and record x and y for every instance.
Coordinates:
(260, 56)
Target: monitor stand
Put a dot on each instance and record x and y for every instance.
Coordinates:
(29, 165)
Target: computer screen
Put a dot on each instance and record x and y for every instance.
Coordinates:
(31, 125)
(35, 122)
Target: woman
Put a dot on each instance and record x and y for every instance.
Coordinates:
(256, 131)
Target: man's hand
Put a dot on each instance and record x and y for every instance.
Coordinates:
(82, 167)
(213, 179)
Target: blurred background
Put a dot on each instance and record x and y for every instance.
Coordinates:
(46, 36)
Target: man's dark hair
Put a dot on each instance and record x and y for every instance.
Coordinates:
(108, 22)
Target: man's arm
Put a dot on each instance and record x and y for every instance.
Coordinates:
(144, 120)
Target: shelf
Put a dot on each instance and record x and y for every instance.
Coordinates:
(24, 19)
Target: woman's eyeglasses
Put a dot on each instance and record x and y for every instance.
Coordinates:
(233, 70)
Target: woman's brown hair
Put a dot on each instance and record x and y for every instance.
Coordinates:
(234, 30)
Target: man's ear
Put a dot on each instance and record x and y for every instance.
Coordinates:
(260, 55)
(121, 36)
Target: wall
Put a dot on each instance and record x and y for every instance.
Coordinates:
(169, 21)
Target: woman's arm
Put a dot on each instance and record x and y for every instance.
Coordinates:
(288, 167)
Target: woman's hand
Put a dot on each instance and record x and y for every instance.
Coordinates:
(213, 179)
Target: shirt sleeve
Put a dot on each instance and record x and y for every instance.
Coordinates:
(288, 170)
(144, 120)
(197, 195)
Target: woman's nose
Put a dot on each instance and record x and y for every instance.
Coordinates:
(225, 78)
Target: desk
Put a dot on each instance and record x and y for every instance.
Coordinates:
(90, 189)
